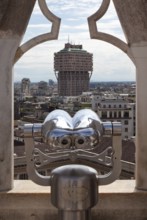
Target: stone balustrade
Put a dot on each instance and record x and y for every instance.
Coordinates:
(117, 201)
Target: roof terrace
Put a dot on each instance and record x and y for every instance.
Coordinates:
(25, 200)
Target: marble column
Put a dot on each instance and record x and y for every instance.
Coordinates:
(139, 51)
(7, 48)
(14, 17)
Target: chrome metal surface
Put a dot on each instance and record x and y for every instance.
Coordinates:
(74, 215)
(57, 119)
(28, 130)
(61, 132)
(107, 128)
(37, 130)
(40, 159)
(74, 187)
(117, 128)
(71, 139)
(33, 174)
(116, 156)
(86, 118)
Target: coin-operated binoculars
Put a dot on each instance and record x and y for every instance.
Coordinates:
(74, 187)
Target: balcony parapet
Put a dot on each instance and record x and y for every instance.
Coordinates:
(118, 200)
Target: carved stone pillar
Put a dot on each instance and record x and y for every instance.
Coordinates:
(140, 54)
(133, 18)
(14, 16)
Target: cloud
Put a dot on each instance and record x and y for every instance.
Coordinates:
(32, 26)
(109, 62)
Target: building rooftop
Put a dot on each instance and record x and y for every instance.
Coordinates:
(73, 48)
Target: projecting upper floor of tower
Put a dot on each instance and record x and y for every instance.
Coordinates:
(73, 58)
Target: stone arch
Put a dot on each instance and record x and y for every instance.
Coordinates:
(43, 37)
(95, 34)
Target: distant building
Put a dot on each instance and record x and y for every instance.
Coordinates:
(51, 82)
(116, 109)
(25, 86)
(73, 68)
(42, 88)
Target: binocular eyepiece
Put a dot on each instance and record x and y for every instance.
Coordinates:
(83, 131)
(68, 138)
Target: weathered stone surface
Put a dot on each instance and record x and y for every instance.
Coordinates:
(3, 8)
(117, 201)
(15, 17)
(133, 18)
(140, 54)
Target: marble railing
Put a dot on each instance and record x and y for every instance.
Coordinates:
(118, 200)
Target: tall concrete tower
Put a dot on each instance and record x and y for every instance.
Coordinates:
(25, 86)
(73, 68)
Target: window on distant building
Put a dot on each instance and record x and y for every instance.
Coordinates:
(115, 114)
(126, 122)
(126, 114)
(104, 114)
(110, 114)
(126, 129)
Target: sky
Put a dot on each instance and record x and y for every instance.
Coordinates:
(109, 62)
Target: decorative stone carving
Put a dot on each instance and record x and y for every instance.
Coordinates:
(52, 35)
(95, 34)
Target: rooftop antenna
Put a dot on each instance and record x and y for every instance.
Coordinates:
(68, 38)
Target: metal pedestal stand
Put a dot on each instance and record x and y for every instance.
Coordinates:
(74, 188)
(74, 191)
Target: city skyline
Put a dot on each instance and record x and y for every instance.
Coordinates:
(110, 64)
